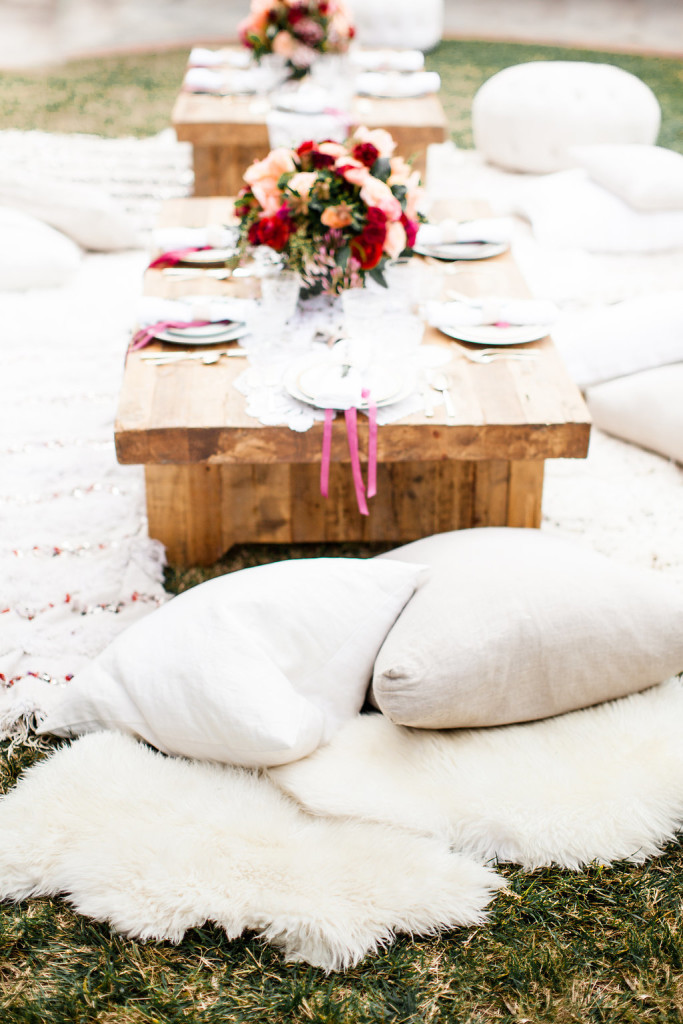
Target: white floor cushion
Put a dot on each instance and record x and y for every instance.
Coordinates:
(568, 209)
(645, 177)
(528, 116)
(32, 254)
(644, 408)
(638, 334)
(515, 625)
(256, 667)
(86, 214)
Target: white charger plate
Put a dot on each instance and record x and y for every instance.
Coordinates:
(291, 385)
(200, 336)
(463, 250)
(488, 334)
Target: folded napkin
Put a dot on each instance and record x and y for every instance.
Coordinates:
(192, 308)
(306, 99)
(200, 57)
(227, 81)
(389, 60)
(336, 392)
(213, 236)
(491, 310)
(397, 86)
(485, 229)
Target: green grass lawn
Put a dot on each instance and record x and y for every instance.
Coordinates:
(598, 947)
(133, 95)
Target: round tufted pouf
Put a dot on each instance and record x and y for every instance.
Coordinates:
(526, 117)
(396, 23)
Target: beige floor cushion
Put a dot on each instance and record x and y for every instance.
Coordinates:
(257, 667)
(645, 177)
(514, 625)
(644, 408)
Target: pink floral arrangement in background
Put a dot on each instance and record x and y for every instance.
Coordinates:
(297, 30)
(335, 212)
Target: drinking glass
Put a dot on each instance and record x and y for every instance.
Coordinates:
(279, 296)
(362, 311)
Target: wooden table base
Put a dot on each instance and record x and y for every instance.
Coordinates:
(200, 510)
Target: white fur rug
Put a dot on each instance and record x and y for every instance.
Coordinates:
(77, 567)
(385, 830)
(159, 845)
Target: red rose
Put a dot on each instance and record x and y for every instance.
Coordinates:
(375, 229)
(366, 252)
(273, 231)
(368, 246)
(366, 153)
(410, 228)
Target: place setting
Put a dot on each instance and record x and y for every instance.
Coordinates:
(451, 240)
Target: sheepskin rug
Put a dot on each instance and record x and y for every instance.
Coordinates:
(157, 845)
(602, 784)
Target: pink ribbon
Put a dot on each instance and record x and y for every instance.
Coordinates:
(372, 443)
(175, 256)
(350, 415)
(326, 453)
(147, 334)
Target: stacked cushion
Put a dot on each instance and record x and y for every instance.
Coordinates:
(33, 255)
(644, 408)
(648, 178)
(257, 667)
(516, 625)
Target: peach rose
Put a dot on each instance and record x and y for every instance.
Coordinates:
(284, 44)
(414, 197)
(337, 216)
(377, 137)
(302, 183)
(263, 176)
(396, 239)
(333, 149)
(375, 193)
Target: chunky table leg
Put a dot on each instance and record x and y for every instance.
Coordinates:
(184, 512)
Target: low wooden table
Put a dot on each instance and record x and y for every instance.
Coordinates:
(229, 132)
(216, 477)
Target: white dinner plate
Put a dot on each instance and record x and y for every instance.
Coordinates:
(384, 384)
(291, 385)
(207, 257)
(489, 334)
(195, 336)
(463, 250)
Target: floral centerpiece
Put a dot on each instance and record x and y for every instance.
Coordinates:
(335, 212)
(297, 30)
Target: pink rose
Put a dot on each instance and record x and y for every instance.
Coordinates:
(414, 197)
(396, 240)
(375, 193)
(352, 170)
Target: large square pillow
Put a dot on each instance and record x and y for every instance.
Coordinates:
(256, 667)
(645, 177)
(644, 408)
(568, 209)
(514, 625)
(84, 213)
(611, 341)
